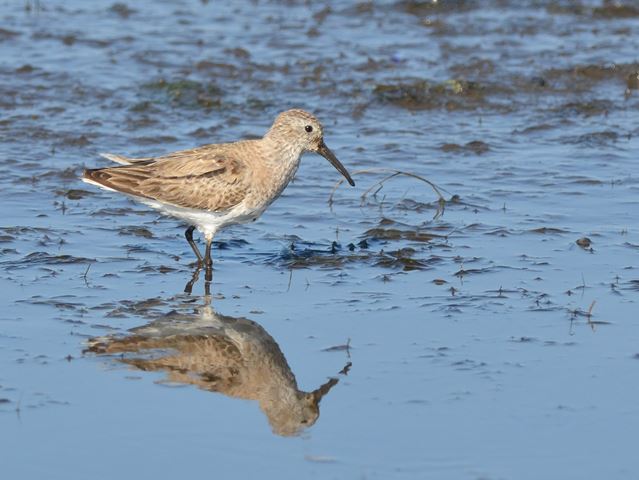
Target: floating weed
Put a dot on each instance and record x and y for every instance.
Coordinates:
(75, 193)
(148, 307)
(402, 259)
(462, 272)
(548, 230)
(379, 233)
(346, 347)
(184, 93)
(61, 302)
(136, 231)
(122, 10)
(476, 146)
(42, 259)
(611, 10)
(453, 94)
(580, 77)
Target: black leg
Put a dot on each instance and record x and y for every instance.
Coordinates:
(189, 238)
(207, 283)
(208, 260)
(189, 286)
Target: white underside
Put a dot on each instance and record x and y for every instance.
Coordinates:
(205, 221)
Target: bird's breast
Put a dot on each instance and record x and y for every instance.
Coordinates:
(271, 183)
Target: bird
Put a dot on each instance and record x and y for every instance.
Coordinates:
(234, 356)
(216, 185)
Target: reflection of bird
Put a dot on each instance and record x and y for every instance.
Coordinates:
(217, 185)
(233, 356)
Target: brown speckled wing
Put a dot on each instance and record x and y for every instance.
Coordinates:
(204, 178)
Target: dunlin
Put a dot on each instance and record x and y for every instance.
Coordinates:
(230, 355)
(212, 186)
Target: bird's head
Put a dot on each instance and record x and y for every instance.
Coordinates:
(300, 128)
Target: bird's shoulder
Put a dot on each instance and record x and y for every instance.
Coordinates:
(224, 161)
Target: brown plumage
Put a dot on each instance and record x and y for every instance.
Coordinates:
(210, 178)
(233, 356)
(217, 185)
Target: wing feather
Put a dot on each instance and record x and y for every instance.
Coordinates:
(209, 177)
(122, 160)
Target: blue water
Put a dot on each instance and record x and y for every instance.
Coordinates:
(496, 349)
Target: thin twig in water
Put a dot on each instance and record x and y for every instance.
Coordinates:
(376, 187)
(589, 315)
(84, 276)
(18, 407)
(290, 279)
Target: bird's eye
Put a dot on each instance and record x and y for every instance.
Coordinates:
(308, 128)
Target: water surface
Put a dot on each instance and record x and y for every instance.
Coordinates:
(496, 341)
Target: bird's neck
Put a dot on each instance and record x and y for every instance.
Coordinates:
(280, 154)
(278, 163)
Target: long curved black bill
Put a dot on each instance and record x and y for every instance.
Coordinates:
(325, 152)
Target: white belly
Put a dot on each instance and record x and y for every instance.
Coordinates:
(206, 221)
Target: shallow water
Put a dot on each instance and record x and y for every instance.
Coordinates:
(484, 343)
